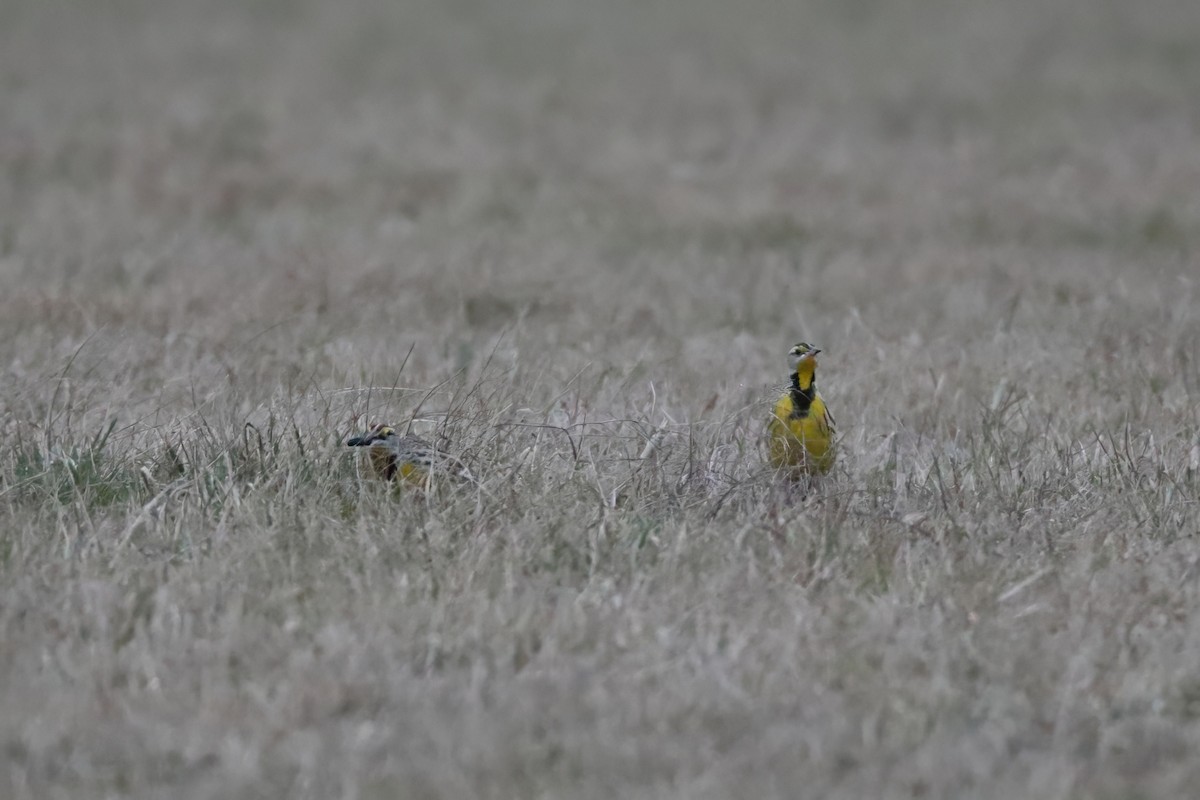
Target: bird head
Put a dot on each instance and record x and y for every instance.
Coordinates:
(380, 433)
(803, 357)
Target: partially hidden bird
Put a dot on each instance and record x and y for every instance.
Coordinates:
(407, 458)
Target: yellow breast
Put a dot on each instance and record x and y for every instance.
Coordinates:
(413, 473)
(387, 465)
(801, 443)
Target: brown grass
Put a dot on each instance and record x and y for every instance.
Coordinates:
(556, 233)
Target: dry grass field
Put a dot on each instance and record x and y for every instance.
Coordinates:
(573, 241)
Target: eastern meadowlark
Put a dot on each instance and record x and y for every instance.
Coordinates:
(801, 429)
(406, 458)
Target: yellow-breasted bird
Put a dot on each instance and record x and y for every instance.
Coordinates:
(801, 429)
(406, 458)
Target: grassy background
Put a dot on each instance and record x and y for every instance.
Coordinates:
(575, 241)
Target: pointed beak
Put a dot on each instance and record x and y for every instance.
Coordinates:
(813, 352)
(359, 441)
